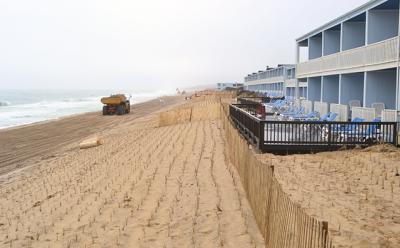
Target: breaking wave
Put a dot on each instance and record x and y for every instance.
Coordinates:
(45, 107)
(4, 103)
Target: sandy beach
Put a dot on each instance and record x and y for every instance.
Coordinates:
(356, 191)
(165, 176)
(146, 186)
(40, 141)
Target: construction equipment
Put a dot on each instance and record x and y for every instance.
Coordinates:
(116, 104)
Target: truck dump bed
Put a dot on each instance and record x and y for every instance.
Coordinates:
(113, 100)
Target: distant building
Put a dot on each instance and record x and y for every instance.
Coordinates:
(280, 81)
(225, 86)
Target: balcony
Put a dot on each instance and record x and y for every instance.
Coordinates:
(377, 56)
(266, 80)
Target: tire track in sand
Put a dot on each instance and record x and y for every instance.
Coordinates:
(156, 187)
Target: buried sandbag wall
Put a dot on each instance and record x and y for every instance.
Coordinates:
(196, 111)
(282, 222)
(176, 116)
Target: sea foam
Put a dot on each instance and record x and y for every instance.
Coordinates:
(4, 103)
(32, 107)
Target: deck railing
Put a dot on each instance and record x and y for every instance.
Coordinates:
(265, 80)
(301, 136)
(253, 100)
(377, 54)
(248, 124)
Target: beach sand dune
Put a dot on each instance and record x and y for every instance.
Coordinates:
(356, 191)
(146, 186)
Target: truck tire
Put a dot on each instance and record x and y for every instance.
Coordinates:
(128, 107)
(105, 110)
(120, 109)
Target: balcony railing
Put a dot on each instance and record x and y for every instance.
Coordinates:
(380, 55)
(266, 80)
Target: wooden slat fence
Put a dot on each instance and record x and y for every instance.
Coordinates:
(283, 223)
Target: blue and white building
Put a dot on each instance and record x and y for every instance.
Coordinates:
(354, 57)
(224, 86)
(279, 81)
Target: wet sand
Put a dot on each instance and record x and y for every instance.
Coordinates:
(42, 140)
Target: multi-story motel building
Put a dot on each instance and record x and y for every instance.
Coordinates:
(354, 57)
(280, 81)
(224, 86)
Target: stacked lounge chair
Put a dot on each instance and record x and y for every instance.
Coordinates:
(275, 106)
(292, 112)
(355, 131)
(312, 116)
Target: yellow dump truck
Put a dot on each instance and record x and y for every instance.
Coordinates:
(116, 104)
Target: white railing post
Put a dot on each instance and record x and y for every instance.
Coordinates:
(321, 108)
(341, 110)
(390, 115)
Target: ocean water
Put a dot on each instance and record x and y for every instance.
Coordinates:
(21, 107)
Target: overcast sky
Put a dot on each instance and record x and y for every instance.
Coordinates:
(150, 44)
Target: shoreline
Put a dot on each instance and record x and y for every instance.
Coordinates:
(32, 143)
(5, 129)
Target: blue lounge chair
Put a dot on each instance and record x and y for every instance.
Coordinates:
(294, 111)
(332, 117)
(273, 106)
(308, 117)
(354, 131)
(325, 117)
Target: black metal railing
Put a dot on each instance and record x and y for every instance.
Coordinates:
(300, 136)
(257, 99)
(251, 100)
(246, 122)
(250, 108)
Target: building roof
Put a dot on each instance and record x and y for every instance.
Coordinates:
(347, 16)
(286, 65)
